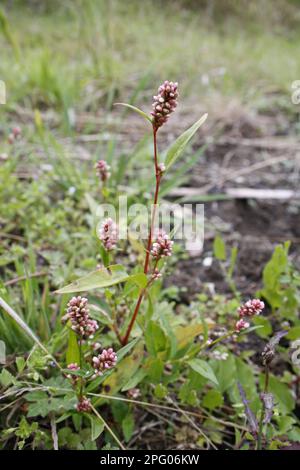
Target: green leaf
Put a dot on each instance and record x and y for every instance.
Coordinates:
(176, 149)
(265, 326)
(72, 354)
(103, 277)
(272, 273)
(282, 393)
(213, 399)
(219, 248)
(20, 362)
(160, 391)
(225, 372)
(294, 333)
(155, 368)
(128, 426)
(6, 378)
(203, 369)
(186, 334)
(139, 279)
(135, 109)
(155, 338)
(135, 380)
(97, 427)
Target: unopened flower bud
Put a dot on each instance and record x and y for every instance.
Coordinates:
(102, 170)
(156, 274)
(161, 168)
(241, 325)
(16, 131)
(133, 393)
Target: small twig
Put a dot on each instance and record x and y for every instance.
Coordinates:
(23, 278)
(209, 442)
(108, 428)
(54, 431)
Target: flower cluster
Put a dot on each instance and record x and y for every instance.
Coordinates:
(164, 103)
(84, 405)
(156, 274)
(102, 170)
(108, 234)
(162, 246)
(106, 360)
(78, 314)
(248, 310)
(251, 308)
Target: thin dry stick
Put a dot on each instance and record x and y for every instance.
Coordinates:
(108, 428)
(209, 442)
(166, 407)
(26, 328)
(23, 278)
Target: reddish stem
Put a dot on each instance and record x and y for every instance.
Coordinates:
(149, 243)
(157, 177)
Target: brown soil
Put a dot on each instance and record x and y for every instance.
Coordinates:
(250, 153)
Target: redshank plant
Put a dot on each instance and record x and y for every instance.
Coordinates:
(158, 246)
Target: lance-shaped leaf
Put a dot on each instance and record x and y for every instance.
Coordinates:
(103, 277)
(204, 369)
(136, 110)
(176, 149)
(72, 354)
(186, 334)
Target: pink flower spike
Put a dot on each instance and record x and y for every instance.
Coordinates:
(84, 405)
(104, 361)
(162, 246)
(251, 308)
(78, 314)
(164, 103)
(108, 234)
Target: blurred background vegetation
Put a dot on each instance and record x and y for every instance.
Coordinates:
(85, 53)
